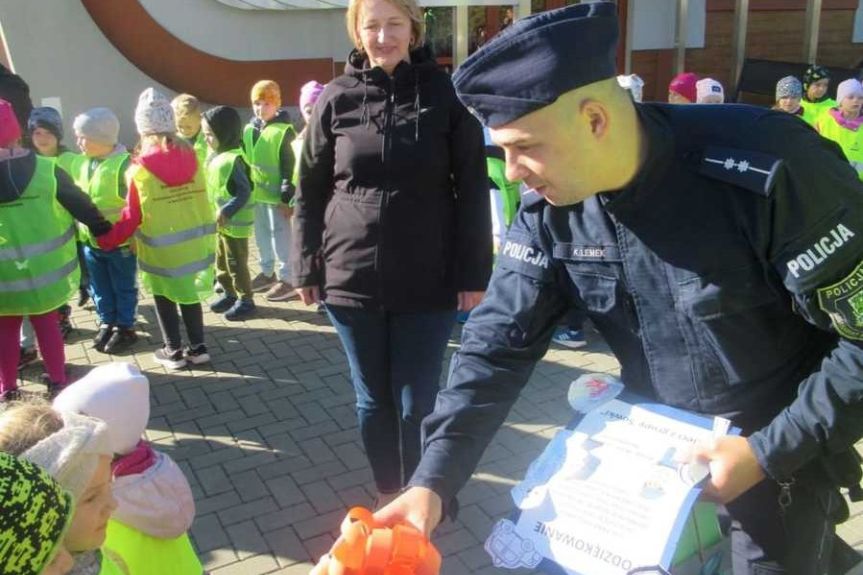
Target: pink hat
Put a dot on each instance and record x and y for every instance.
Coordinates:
(10, 129)
(309, 93)
(684, 84)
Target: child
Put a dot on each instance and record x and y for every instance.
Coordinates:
(309, 94)
(709, 91)
(842, 123)
(155, 503)
(229, 188)
(789, 92)
(187, 115)
(112, 274)
(682, 89)
(37, 204)
(168, 206)
(816, 82)
(266, 145)
(35, 513)
(76, 451)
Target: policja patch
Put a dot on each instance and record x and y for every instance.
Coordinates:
(843, 302)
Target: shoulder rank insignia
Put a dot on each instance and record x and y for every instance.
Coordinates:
(744, 168)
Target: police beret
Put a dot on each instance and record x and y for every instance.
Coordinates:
(531, 63)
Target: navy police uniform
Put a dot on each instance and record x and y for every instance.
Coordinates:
(727, 279)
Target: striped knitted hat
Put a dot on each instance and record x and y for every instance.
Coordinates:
(34, 514)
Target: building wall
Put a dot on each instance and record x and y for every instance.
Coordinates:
(775, 32)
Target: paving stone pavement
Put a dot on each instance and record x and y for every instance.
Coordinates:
(268, 439)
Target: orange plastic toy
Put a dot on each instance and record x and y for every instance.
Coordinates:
(367, 548)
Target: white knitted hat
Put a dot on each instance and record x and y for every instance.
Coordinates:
(116, 393)
(71, 455)
(154, 114)
(709, 91)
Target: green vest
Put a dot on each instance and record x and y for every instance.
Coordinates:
(109, 567)
(265, 161)
(200, 147)
(103, 187)
(297, 147)
(812, 110)
(176, 241)
(508, 191)
(71, 162)
(148, 555)
(218, 173)
(38, 259)
(850, 141)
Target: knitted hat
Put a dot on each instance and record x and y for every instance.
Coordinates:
(814, 73)
(633, 84)
(116, 393)
(46, 118)
(10, 129)
(72, 454)
(709, 91)
(99, 125)
(34, 514)
(850, 87)
(309, 93)
(788, 87)
(226, 125)
(684, 84)
(268, 91)
(154, 114)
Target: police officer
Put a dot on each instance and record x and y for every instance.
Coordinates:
(719, 251)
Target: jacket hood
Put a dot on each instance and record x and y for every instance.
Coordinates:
(15, 174)
(175, 167)
(358, 63)
(157, 502)
(226, 125)
(282, 116)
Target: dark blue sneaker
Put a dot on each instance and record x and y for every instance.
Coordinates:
(571, 338)
(223, 304)
(243, 309)
(462, 316)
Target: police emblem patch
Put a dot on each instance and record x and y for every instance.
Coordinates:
(843, 302)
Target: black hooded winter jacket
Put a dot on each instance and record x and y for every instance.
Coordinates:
(392, 207)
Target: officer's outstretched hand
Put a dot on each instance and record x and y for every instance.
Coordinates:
(418, 506)
(734, 469)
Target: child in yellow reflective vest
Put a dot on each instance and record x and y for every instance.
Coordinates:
(38, 262)
(169, 212)
(155, 506)
(842, 123)
(76, 451)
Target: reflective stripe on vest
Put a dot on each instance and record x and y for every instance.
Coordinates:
(297, 147)
(189, 268)
(176, 237)
(33, 250)
(103, 187)
(265, 161)
(219, 172)
(37, 282)
(38, 260)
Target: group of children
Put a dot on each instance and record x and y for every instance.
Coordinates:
(82, 493)
(186, 200)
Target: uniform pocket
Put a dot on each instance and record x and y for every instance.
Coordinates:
(598, 291)
(737, 329)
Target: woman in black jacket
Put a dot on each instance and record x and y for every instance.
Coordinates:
(392, 222)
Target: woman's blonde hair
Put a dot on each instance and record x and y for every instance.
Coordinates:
(162, 141)
(23, 425)
(410, 7)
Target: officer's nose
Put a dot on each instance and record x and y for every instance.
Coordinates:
(515, 172)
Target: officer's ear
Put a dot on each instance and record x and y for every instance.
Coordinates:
(596, 115)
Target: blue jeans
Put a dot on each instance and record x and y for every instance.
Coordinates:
(273, 237)
(395, 361)
(113, 284)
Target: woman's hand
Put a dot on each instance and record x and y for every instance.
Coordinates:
(309, 294)
(467, 300)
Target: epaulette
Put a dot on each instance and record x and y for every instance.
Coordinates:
(744, 168)
(530, 199)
